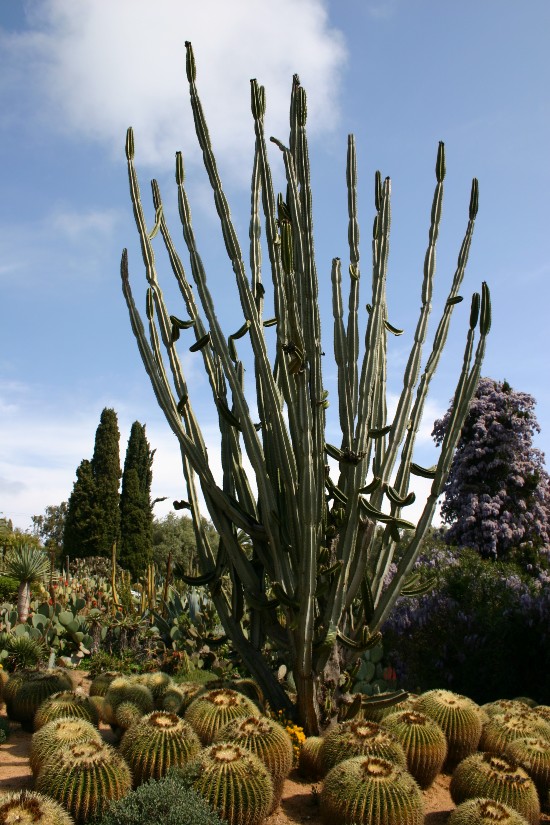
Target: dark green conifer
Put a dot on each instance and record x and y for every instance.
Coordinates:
(106, 472)
(80, 531)
(136, 515)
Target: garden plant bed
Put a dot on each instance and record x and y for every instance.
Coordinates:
(300, 797)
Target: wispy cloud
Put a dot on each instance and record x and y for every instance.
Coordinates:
(99, 69)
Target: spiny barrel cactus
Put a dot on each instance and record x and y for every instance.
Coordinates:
(310, 764)
(423, 741)
(311, 524)
(368, 790)
(485, 812)
(100, 683)
(123, 690)
(542, 711)
(57, 734)
(234, 782)
(533, 754)
(459, 718)
(31, 808)
(360, 737)
(157, 742)
(178, 697)
(85, 777)
(504, 728)
(66, 703)
(30, 691)
(500, 706)
(487, 775)
(268, 740)
(214, 709)
(158, 683)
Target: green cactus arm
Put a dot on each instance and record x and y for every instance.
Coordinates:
(464, 392)
(352, 332)
(345, 387)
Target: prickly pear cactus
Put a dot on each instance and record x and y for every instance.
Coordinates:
(268, 740)
(368, 790)
(85, 778)
(485, 812)
(158, 742)
(66, 703)
(423, 741)
(26, 807)
(57, 734)
(486, 775)
(460, 719)
(234, 782)
(359, 738)
(214, 709)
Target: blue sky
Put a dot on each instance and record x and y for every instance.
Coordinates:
(400, 74)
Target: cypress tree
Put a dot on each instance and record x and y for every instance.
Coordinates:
(80, 530)
(136, 540)
(106, 472)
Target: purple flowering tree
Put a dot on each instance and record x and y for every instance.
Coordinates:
(497, 494)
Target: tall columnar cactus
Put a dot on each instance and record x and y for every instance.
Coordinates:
(306, 585)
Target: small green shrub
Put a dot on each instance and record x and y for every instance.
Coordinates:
(8, 589)
(168, 801)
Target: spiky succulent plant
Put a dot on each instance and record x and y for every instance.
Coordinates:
(214, 709)
(503, 728)
(178, 697)
(500, 706)
(459, 718)
(66, 703)
(85, 777)
(423, 741)
(357, 738)
(268, 740)
(28, 690)
(31, 808)
(101, 682)
(158, 683)
(368, 790)
(533, 754)
(310, 764)
(158, 742)
(487, 775)
(234, 782)
(485, 812)
(125, 691)
(58, 734)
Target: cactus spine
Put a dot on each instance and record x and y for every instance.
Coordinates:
(311, 534)
(485, 812)
(367, 790)
(85, 777)
(459, 718)
(31, 808)
(158, 742)
(208, 713)
(423, 741)
(483, 774)
(234, 782)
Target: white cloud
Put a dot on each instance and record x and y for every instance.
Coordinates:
(74, 224)
(102, 66)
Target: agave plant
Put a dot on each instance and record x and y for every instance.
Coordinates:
(28, 564)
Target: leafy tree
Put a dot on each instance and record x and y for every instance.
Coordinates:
(106, 473)
(497, 495)
(51, 525)
(136, 515)
(80, 528)
(175, 534)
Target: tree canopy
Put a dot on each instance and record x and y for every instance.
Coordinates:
(136, 516)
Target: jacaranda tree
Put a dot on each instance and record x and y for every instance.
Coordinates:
(497, 494)
(305, 579)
